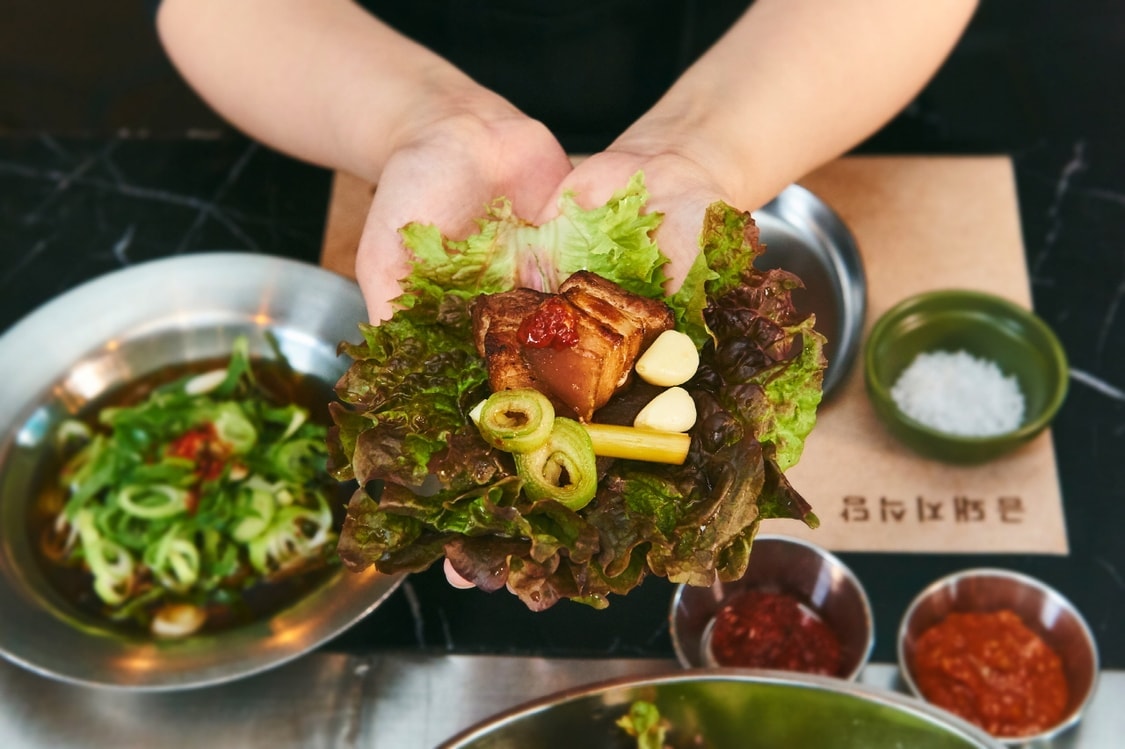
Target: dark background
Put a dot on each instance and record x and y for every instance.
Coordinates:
(1025, 70)
(106, 159)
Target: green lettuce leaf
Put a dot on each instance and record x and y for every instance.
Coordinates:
(613, 240)
(431, 487)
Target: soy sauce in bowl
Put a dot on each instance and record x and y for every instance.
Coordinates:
(237, 604)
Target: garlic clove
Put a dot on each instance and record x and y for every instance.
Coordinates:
(175, 620)
(671, 360)
(671, 411)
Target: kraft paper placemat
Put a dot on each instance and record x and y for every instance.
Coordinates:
(920, 223)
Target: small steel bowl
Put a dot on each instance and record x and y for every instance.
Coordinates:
(803, 235)
(985, 326)
(780, 564)
(1043, 610)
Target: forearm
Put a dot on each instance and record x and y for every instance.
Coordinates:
(322, 80)
(796, 83)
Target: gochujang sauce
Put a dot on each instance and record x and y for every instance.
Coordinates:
(992, 670)
(553, 323)
(759, 629)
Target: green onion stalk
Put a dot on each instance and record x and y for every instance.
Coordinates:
(203, 490)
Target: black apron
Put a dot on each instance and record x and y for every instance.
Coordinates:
(585, 69)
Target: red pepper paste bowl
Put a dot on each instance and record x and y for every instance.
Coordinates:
(798, 608)
(1002, 650)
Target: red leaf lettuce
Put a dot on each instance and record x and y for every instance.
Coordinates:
(431, 487)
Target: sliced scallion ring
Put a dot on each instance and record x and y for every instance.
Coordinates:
(259, 507)
(563, 468)
(299, 417)
(111, 564)
(72, 431)
(175, 561)
(206, 382)
(516, 421)
(232, 427)
(287, 539)
(152, 502)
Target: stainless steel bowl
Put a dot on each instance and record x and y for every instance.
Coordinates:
(115, 329)
(729, 709)
(803, 235)
(813, 575)
(1043, 610)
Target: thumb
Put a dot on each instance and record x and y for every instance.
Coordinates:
(381, 262)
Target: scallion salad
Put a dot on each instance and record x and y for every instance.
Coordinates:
(177, 505)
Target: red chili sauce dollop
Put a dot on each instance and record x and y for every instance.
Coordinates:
(202, 445)
(210, 454)
(992, 670)
(759, 629)
(554, 323)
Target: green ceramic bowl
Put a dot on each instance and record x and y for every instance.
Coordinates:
(986, 327)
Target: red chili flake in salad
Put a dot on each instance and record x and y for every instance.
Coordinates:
(203, 446)
(758, 629)
(992, 670)
(553, 323)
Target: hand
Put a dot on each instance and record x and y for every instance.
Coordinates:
(446, 172)
(680, 187)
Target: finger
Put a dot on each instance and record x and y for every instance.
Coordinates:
(409, 192)
(381, 260)
(455, 579)
(592, 182)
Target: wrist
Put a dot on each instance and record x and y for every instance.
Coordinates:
(387, 114)
(689, 127)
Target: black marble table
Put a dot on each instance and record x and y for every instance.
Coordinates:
(1047, 91)
(72, 209)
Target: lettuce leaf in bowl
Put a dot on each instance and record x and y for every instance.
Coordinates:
(431, 487)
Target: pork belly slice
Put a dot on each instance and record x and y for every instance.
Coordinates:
(627, 312)
(614, 326)
(496, 322)
(582, 377)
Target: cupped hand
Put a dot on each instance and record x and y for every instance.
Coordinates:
(680, 187)
(446, 172)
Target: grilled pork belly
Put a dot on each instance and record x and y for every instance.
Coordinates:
(599, 330)
(605, 299)
(496, 323)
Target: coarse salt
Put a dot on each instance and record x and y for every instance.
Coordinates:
(958, 393)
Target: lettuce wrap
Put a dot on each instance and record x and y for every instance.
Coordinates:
(429, 486)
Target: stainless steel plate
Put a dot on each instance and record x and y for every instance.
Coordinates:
(729, 708)
(115, 329)
(804, 236)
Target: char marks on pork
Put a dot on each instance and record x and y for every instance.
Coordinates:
(496, 323)
(613, 327)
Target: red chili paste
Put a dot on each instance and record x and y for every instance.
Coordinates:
(992, 670)
(203, 446)
(553, 323)
(756, 629)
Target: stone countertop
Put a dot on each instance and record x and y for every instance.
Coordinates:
(389, 700)
(72, 209)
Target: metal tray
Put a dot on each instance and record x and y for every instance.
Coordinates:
(390, 700)
(806, 237)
